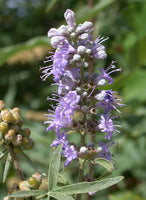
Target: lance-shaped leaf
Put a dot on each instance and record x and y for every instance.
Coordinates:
(27, 193)
(105, 163)
(7, 167)
(86, 187)
(3, 152)
(60, 196)
(54, 168)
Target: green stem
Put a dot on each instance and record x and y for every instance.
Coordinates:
(16, 163)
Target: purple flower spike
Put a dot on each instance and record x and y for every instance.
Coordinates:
(70, 17)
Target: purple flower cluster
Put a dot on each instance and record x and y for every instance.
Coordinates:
(78, 91)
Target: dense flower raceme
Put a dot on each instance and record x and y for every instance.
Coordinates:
(78, 91)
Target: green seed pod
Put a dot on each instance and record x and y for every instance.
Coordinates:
(27, 143)
(2, 105)
(16, 117)
(18, 140)
(16, 110)
(15, 127)
(38, 177)
(33, 184)
(24, 185)
(3, 127)
(7, 116)
(26, 132)
(20, 122)
(17, 149)
(10, 135)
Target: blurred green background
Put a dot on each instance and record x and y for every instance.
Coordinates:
(23, 48)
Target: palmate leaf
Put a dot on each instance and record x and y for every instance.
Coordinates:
(27, 193)
(54, 168)
(60, 196)
(8, 52)
(105, 163)
(86, 187)
(7, 167)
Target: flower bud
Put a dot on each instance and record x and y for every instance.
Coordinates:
(81, 49)
(76, 57)
(18, 140)
(84, 36)
(7, 116)
(69, 17)
(62, 30)
(84, 27)
(2, 105)
(56, 40)
(88, 51)
(3, 127)
(73, 35)
(24, 186)
(83, 150)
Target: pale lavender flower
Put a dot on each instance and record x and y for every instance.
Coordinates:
(69, 153)
(105, 75)
(104, 153)
(108, 101)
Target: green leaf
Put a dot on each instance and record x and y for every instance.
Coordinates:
(105, 163)
(50, 6)
(86, 187)
(28, 193)
(62, 179)
(54, 168)
(8, 52)
(3, 152)
(29, 161)
(135, 87)
(7, 167)
(86, 13)
(61, 196)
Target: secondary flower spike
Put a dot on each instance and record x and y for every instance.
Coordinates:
(82, 106)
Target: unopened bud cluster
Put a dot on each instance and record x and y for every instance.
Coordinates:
(11, 131)
(33, 183)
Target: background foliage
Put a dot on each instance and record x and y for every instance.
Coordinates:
(23, 47)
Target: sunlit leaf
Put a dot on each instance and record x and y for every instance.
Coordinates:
(7, 167)
(86, 13)
(54, 168)
(28, 193)
(105, 163)
(86, 187)
(8, 52)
